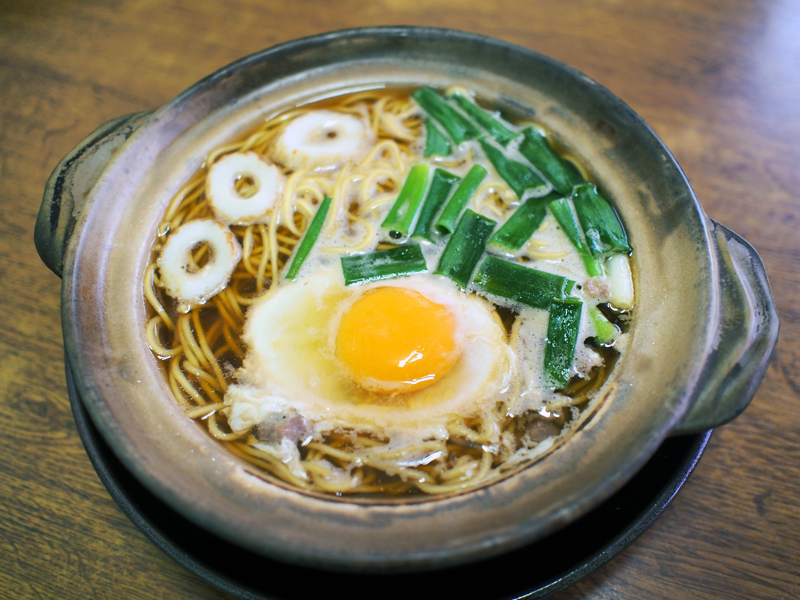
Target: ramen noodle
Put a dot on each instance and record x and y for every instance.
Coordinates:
(390, 293)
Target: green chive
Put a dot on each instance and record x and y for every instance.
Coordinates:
(518, 175)
(465, 247)
(441, 185)
(603, 229)
(562, 336)
(536, 149)
(408, 200)
(460, 198)
(457, 127)
(435, 142)
(383, 264)
(522, 224)
(496, 129)
(569, 225)
(606, 330)
(519, 283)
(312, 233)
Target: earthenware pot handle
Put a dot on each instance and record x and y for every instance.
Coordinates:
(746, 337)
(70, 184)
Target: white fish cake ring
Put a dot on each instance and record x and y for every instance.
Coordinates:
(229, 205)
(174, 263)
(321, 138)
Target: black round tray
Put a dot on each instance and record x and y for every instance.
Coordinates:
(533, 571)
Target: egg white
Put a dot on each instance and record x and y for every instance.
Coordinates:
(291, 363)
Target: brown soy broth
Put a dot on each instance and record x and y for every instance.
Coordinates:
(221, 327)
(507, 315)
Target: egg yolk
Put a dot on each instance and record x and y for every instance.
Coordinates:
(396, 340)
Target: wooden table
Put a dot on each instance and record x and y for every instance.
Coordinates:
(719, 81)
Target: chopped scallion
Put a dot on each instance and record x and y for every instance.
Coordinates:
(603, 229)
(496, 129)
(606, 330)
(465, 247)
(408, 200)
(518, 175)
(519, 283)
(621, 280)
(536, 149)
(310, 237)
(522, 224)
(441, 185)
(569, 225)
(383, 264)
(562, 336)
(435, 141)
(460, 198)
(457, 127)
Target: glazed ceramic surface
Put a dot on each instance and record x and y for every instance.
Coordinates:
(705, 322)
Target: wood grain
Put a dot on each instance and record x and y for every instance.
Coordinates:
(717, 80)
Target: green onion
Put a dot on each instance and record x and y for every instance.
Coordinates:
(408, 200)
(465, 248)
(518, 175)
(606, 330)
(383, 264)
(435, 142)
(621, 280)
(520, 226)
(521, 284)
(439, 190)
(496, 129)
(604, 232)
(536, 149)
(569, 225)
(460, 198)
(458, 127)
(312, 233)
(562, 336)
